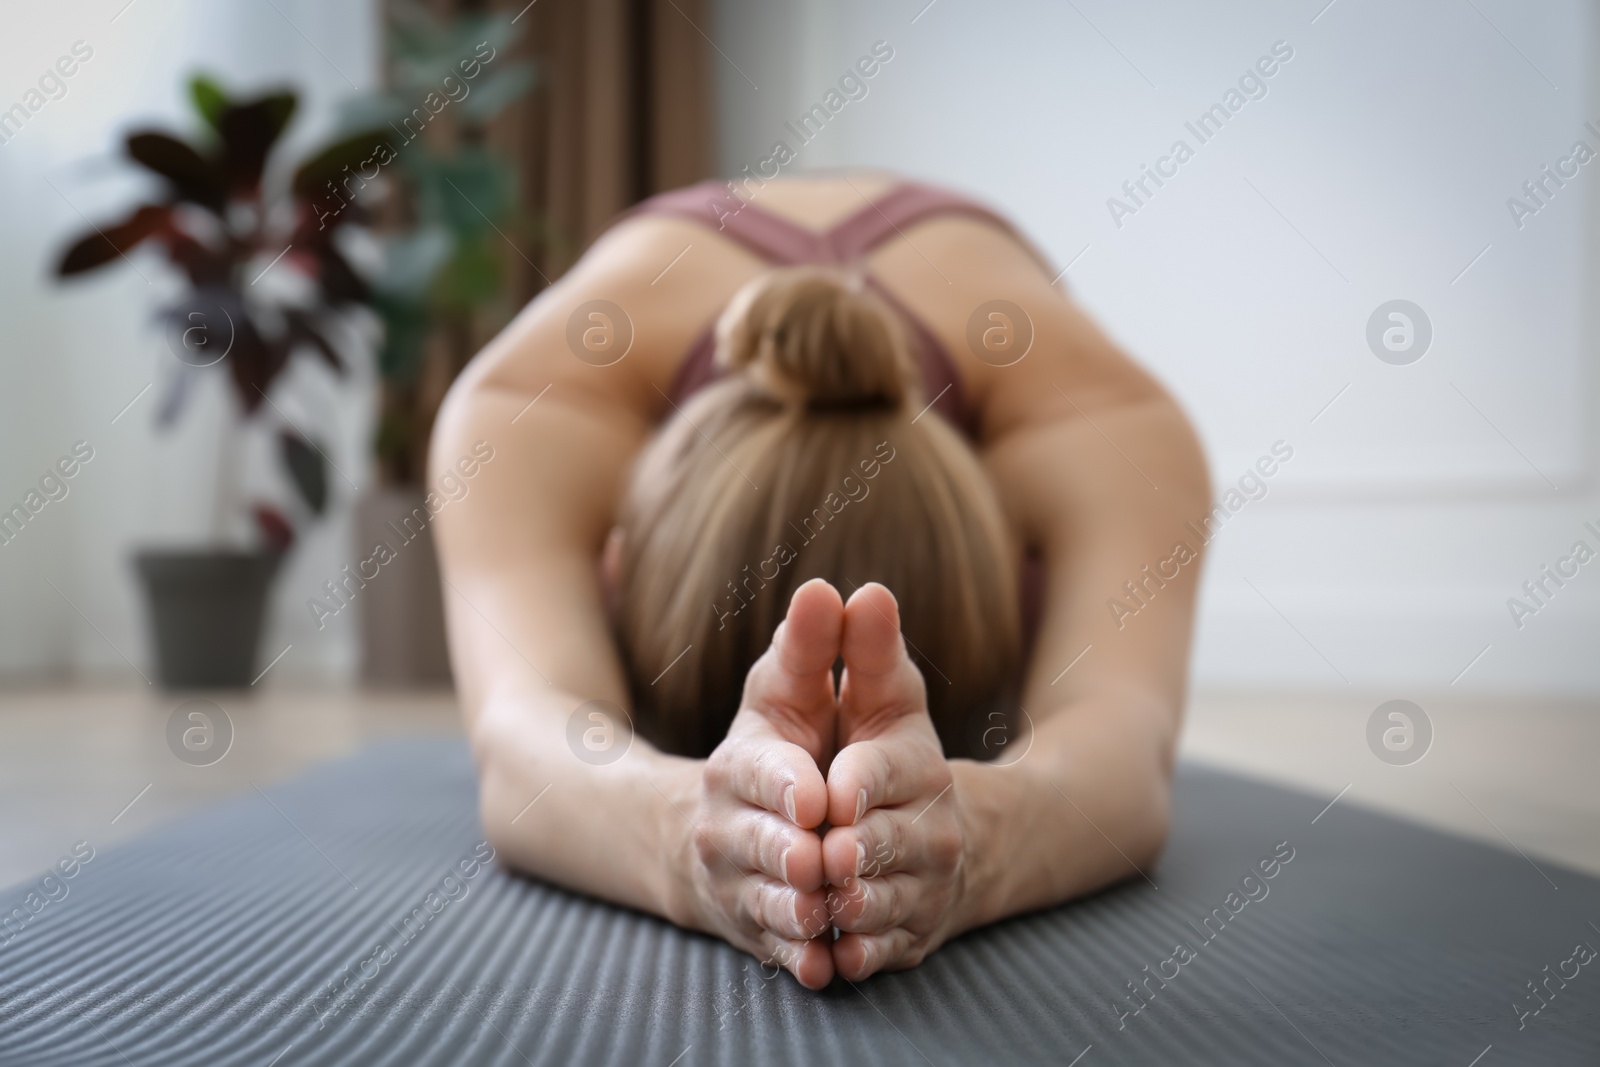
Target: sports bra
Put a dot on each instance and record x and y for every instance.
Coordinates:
(781, 243)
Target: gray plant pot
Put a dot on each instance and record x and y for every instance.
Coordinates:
(401, 609)
(206, 609)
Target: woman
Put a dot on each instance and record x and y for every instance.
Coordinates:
(821, 807)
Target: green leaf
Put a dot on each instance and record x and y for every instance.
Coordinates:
(411, 260)
(370, 111)
(424, 49)
(406, 325)
(466, 193)
(474, 275)
(209, 99)
(491, 95)
(328, 164)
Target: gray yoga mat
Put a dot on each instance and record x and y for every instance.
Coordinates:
(283, 929)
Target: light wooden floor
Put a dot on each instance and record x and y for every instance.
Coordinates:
(73, 758)
(1503, 771)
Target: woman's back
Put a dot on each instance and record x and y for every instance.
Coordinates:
(603, 351)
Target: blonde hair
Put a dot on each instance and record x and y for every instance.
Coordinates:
(803, 462)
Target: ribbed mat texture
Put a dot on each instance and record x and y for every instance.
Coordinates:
(345, 918)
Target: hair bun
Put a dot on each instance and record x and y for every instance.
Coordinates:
(815, 337)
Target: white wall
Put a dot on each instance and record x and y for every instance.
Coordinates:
(1377, 167)
(1390, 141)
(71, 357)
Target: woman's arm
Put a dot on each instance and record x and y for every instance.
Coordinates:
(1088, 803)
(925, 848)
(713, 844)
(528, 634)
(1099, 470)
(529, 638)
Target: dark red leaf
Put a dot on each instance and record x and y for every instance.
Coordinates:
(304, 328)
(340, 283)
(205, 267)
(306, 469)
(192, 176)
(103, 246)
(276, 533)
(320, 218)
(254, 362)
(248, 133)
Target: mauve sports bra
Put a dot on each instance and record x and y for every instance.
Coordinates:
(780, 242)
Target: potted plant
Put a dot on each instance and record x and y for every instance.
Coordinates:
(226, 218)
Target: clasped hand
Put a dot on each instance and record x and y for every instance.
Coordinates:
(825, 809)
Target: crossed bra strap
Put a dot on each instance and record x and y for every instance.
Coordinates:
(780, 242)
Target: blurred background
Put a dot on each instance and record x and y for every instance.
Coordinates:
(1393, 154)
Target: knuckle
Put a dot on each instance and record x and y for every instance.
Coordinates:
(769, 848)
(706, 849)
(861, 916)
(752, 904)
(765, 907)
(870, 901)
(929, 771)
(893, 843)
(882, 839)
(815, 922)
(718, 772)
(758, 850)
(944, 849)
(748, 842)
(883, 771)
(769, 767)
(894, 899)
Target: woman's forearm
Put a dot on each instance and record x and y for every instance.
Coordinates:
(530, 641)
(617, 830)
(1085, 807)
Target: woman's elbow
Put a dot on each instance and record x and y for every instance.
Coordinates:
(1154, 824)
(494, 816)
